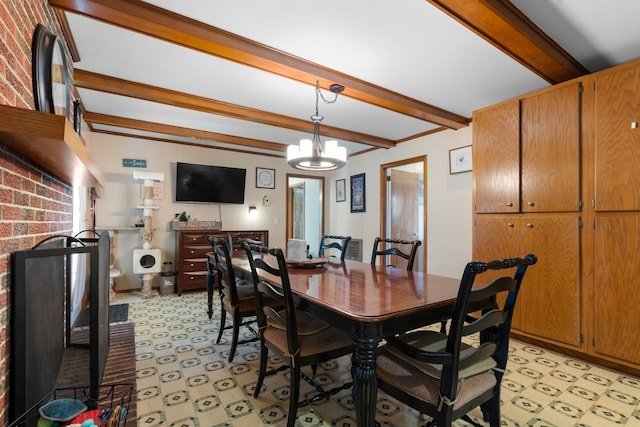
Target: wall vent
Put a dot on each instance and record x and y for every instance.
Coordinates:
(354, 250)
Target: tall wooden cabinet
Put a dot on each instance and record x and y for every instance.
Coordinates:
(192, 247)
(557, 174)
(616, 223)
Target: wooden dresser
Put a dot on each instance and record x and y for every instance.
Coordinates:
(192, 247)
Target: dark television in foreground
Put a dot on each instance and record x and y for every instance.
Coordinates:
(209, 184)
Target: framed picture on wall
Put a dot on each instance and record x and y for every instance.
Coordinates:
(341, 195)
(460, 160)
(265, 178)
(358, 202)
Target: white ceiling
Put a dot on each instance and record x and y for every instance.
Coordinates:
(409, 47)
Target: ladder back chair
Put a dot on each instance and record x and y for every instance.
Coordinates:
(445, 377)
(298, 338)
(330, 241)
(236, 239)
(405, 249)
(237, 296)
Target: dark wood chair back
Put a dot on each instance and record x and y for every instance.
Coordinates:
(237, 295)
(330, 241)
(225, 276)
(445, 363)
(278, 268)
(236, 239)
(406, 249)
(297, 337)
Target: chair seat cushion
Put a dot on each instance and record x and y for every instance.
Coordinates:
(403, 375)
(436, 342)
(307, 324)
(324, 340)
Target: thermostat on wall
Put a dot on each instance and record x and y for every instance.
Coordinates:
(266, 201)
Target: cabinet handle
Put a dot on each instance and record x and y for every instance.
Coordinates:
(510, 224)
(509, 204)
(531, 204)
(529, 225)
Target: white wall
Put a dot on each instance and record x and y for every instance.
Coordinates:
(121, 195)
(449, 200)
(448, 197)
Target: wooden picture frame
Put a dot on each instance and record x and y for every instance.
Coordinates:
(460, 160)
(265, 178)
(341, 194)
(358, 193)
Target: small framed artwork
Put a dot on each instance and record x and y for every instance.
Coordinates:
(358, 202)
(460, 160)
(265, 178)
(341, 195)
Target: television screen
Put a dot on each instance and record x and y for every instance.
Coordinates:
(209, 184)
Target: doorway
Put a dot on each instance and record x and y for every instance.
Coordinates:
(403, 208)
(305, 209)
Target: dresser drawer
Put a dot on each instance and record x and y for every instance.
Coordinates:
(194, 264)
(195, 251)
(197, 238)
(194, 280)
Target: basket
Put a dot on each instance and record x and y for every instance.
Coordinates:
(108, 408)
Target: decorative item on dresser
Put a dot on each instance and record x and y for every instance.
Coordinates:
(192, 247)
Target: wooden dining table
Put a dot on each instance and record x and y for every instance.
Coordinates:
(371, 302)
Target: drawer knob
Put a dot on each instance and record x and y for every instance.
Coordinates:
(509, 204)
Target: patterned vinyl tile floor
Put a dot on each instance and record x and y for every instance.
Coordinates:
(184, 379)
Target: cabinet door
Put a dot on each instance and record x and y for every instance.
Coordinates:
(496, 158)
(617, 311)
(549, 302)
(617, 134)
(496, 237)
(550, 297)
(550, 125)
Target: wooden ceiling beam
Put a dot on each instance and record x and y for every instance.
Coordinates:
(507, 28)
(144, 18)
(159, 128)
(99, 82)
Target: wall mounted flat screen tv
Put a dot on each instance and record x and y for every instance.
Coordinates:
(209, 184)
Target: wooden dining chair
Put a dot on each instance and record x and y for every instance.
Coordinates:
(330, 241)
(236, 239)
(445, 376)
(296, 337)
(406, 249)
(237, 296)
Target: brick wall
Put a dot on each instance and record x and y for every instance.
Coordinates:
(33, 205)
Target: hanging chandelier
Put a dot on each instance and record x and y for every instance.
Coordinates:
(313, 155)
